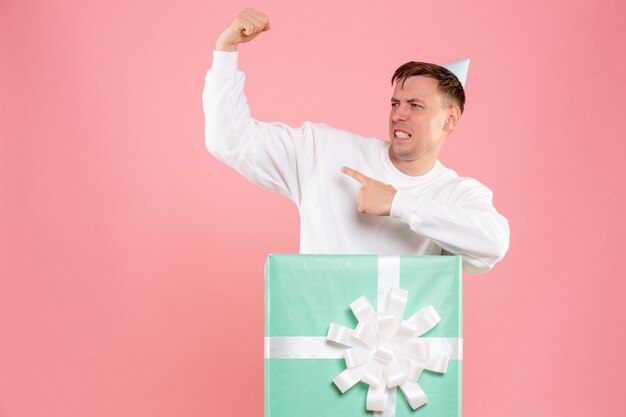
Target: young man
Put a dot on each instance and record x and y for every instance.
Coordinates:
(358, 194)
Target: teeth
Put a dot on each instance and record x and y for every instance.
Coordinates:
(402, 135)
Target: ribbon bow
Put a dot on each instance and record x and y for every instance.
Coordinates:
(386, 352)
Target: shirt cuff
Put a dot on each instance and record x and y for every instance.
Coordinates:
(403, 206)
(225, 62)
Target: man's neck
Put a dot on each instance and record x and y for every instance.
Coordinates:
(413, 168)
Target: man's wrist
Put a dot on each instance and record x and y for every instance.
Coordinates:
(224, 47)
(223, 44)
(402, 206)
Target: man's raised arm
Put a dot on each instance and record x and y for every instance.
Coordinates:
(272, 155)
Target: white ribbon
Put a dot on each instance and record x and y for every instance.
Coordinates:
(317, 347)
(384, 351)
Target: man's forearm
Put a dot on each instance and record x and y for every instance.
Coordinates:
(480, 235)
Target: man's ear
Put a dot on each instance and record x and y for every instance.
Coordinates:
(454, 115)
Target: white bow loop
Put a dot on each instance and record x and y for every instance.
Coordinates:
(385, 352)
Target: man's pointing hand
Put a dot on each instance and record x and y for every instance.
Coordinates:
(375, 197)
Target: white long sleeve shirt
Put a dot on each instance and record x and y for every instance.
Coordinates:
(431, 214)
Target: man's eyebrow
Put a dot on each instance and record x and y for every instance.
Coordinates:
(410, 100)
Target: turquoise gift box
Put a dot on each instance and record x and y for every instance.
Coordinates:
(304, 294)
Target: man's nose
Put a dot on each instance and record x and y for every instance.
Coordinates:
(399, 113)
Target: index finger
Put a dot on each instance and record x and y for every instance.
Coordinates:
(355, 174)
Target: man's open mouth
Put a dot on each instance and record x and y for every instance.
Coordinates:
(401, 134)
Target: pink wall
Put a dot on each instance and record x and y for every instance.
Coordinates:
(131, 261)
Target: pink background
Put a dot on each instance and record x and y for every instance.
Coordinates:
(131, 261)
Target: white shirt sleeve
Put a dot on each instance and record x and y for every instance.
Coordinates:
(272, 155)
(468, 226)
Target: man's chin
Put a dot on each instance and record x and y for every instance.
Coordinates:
(401, 146)
(400, 153)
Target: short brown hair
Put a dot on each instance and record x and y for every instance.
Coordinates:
(449, 84)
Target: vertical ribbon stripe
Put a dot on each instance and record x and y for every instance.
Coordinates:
(388, 278)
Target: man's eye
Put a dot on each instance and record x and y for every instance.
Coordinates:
(415, 105)
(394, 104)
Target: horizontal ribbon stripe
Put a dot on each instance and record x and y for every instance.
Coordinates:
(304, 347)
(301, 347)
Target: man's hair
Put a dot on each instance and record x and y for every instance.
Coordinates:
(449, 84)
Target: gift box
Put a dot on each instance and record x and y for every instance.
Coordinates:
(344, 333)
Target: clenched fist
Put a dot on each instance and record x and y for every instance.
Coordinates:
(375, 197)
(247, 26)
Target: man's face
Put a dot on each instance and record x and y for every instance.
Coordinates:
(418, 120)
